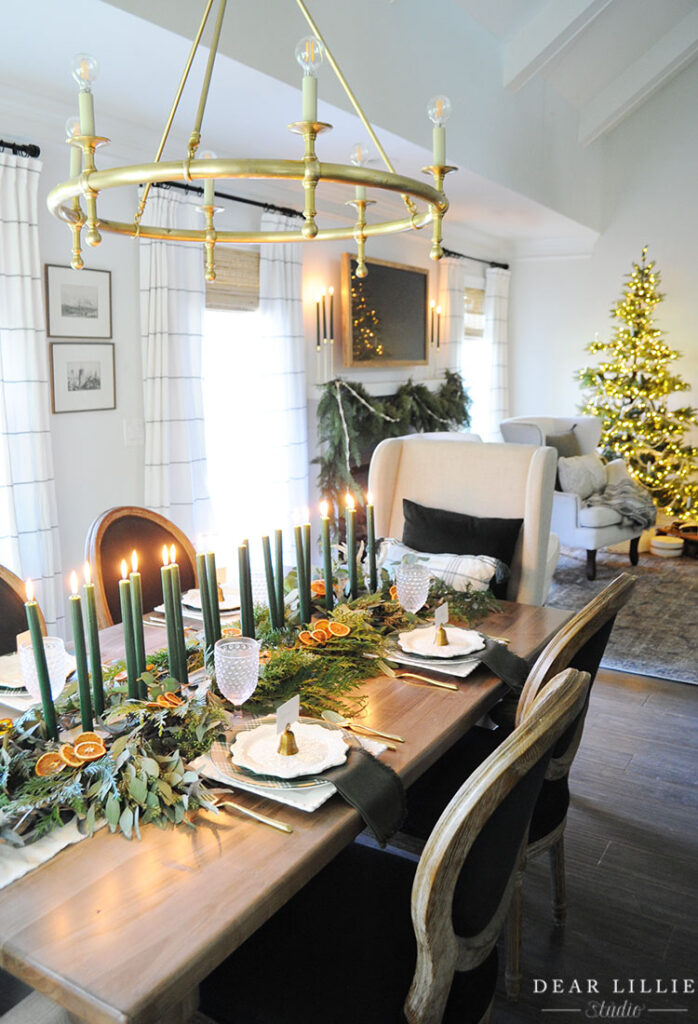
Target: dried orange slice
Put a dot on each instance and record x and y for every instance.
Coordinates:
(393, 592)
(88, 737)
(161, 701)
(88, 751)
(173, 700)
(150, 668)
(339, 629)
(322, 624)
(231, 631)
(318, 588)
(121, 677)
(306, 638)
(320, 636)
(153, 704)
(68, 755)
(49, 764)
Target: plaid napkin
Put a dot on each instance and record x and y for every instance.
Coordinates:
(373, 789)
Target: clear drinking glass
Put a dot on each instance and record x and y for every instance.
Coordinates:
(236, 661)
(412, 582)
(55, 659)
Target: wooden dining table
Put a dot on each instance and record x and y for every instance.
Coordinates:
(124, 931)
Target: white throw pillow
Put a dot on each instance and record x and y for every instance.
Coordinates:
(616, 472)
(456, 570)
(582, 475)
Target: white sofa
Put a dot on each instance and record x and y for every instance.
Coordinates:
(577, 525)
(486, 480)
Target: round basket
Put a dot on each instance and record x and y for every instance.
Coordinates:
(666, 547)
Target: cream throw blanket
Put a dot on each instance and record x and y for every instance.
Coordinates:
(629, 500)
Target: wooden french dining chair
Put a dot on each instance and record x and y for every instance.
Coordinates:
(13, 619)
(113, 536)
(377, 939)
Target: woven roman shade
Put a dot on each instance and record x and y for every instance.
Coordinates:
(237, 280)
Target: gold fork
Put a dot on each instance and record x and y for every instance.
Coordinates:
(426, 679)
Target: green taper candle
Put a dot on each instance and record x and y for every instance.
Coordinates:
(308, 568)
(32, 612)
(182, 668)
(129, 637)
(246, 603)
(371, 544)
(280, 602)
(93, 639)
(205, 596)
(166, 578)
(212, 579)
(271, 586)
(304, 608)
(137, 610)
(327, 555)
(80, 655)
(350, 516)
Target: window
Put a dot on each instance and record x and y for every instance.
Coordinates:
(475, 363)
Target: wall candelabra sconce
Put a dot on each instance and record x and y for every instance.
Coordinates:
(434, 324)
(324, 334)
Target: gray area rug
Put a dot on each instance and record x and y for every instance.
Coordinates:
(656, 634)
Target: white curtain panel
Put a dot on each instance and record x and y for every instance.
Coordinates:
(29, 542)
(172, 307)
(452, 276)
(496, 339)
(281, 387)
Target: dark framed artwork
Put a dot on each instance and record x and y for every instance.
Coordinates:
(82, 376)
(78, 302)
(384, 315)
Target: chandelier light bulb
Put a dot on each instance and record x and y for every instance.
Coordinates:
(359, 155)
(72, 128)
(85, 69)
(310, 55)
(439, 110)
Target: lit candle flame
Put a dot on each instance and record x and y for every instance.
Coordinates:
(432, 303)
(331, 290)
(86, 572)
(74, 582)
(173, 554)
(324, 509)
(134, 561)
(165, 555)
(29, 589)
(349, 500)
(124, 569)
(369, 498)
(438, 310)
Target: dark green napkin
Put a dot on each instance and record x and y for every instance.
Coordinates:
(373, 789)
(509, 667)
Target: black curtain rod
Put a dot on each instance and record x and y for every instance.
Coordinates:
(21, 148)
(235, 199)
(476, 259)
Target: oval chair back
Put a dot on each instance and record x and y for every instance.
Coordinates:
(13, 619)
(113, 536)
(466, 875)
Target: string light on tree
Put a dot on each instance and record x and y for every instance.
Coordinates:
(628, 391)
(367, 324)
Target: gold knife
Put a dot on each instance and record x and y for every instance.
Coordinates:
(426, 679)
(272, 822)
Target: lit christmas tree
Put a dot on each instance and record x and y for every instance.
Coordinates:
(628, 390)
(366, 322)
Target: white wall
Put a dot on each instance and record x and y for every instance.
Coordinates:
(649, 193)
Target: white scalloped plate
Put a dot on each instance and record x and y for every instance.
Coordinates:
(460, 642)
(318, 749)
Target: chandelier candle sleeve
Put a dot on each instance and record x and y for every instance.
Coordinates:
(31, 609)
(371, 543)
(80, 655)
(350, 516)
(129, 638)
(212, 580)
(182, 675)
(304, 607)
(137, 606)
(246, 604)
(72, 130)
(205, 600)
(279, 544)
(166, 577)
(327, 556)
(93, 639)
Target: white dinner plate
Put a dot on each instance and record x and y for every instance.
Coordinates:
(319, 748)
(422, 642)
(192, 599)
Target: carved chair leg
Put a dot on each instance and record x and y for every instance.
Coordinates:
(634, 550)
(512, 972)
(591, 565)
(557, 868)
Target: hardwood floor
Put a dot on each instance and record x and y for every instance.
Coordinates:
(632, 864)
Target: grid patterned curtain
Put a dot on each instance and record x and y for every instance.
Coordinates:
(452, 275)
(29, 542)
(496, 339)
(172, 305)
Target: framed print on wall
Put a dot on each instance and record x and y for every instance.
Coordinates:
(78, 302)
(82, 376)
(384, 314)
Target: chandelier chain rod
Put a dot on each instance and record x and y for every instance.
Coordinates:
(213, 51)
(175, 105)
(352, 98)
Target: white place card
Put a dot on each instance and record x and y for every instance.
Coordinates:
(23, 637)
(288, 713)
(441, 615)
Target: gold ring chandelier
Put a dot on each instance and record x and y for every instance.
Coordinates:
(86, 182)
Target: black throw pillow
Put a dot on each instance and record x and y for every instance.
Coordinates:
(436, 531)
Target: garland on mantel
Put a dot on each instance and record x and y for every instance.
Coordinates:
(350, 422)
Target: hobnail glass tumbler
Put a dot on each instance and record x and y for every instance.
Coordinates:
(412, 581)
(54, 649)
(236, 660)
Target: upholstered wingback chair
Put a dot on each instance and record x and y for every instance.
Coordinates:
(485, 480)
(577, 525)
